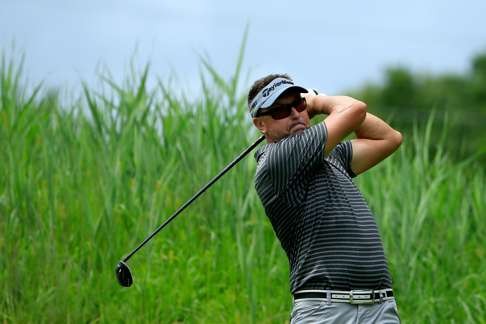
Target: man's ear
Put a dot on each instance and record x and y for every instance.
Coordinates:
(260, 124)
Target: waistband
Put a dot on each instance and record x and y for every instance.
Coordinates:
(351, 297)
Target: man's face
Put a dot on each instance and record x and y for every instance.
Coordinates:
(276, 129)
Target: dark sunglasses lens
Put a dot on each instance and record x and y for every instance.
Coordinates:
(123, 274)
(300, 104)
(281, 113)
(284, 111)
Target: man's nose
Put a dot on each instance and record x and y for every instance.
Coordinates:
(294, 112)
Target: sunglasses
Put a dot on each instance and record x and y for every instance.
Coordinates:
(284, 111)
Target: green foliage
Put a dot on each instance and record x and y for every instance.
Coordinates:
(457, 101)
(82, 183)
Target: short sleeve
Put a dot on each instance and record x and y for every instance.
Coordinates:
(295, 156)
(343, 154)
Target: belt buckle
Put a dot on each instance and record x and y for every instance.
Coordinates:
(382, 295)
(355, 301)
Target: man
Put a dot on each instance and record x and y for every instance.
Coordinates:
(338, 270)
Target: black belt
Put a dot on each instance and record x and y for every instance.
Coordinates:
(351, 297)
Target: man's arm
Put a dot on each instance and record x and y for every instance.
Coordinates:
(375, 141)
(345, 115)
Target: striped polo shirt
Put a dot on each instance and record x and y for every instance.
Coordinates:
(320, 217)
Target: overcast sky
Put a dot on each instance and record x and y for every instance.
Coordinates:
(331, 46)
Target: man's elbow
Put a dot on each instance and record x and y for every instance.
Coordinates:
(395, 139)
(359, 109)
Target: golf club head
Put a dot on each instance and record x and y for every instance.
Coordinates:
(123, 274)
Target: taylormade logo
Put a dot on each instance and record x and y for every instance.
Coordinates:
(266, 92)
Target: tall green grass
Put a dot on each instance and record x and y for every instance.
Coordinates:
(82, 183)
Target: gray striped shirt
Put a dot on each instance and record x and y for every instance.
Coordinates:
(321, 219)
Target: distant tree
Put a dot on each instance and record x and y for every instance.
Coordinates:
(400, 89)
(409, 97)
(478, 79)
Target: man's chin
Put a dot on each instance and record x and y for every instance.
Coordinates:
(297, 128)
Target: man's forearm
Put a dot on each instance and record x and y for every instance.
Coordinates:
(375, 128)
(320, 104)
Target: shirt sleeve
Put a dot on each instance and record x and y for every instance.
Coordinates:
(295, 156)
(343, 154)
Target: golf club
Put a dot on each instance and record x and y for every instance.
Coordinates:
(122, 270)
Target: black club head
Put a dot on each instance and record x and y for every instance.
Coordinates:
(123, 274)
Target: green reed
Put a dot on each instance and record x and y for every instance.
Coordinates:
(83, 182)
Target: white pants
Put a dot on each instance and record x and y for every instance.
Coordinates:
(310, 310)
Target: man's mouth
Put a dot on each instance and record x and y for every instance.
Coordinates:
(297, 127)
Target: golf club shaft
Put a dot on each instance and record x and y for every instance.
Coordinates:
(196, 195)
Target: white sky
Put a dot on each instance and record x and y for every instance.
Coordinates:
(331, 46)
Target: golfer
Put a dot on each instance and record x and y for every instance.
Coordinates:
(338, 269)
